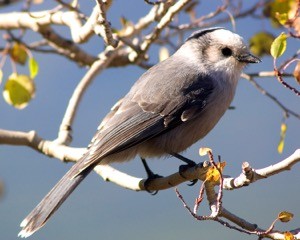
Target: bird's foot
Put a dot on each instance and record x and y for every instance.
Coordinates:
(150, 177)
(148, 181)
(183, 168)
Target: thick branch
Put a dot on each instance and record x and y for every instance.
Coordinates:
(35, 20)
(66, 47)
(53, 149)
(69, 154)
(137, 184)
(41, 145)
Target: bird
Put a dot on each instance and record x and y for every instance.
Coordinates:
(171, 106)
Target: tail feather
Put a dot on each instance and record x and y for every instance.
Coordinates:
(52, 201)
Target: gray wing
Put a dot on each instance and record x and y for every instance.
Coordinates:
(161, 99)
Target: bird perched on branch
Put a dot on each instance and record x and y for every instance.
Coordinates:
(171, 106)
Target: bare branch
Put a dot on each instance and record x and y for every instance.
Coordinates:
(105, 30)
(51, 148)
(37, 143)
(40, 22)
(249, 77)
(69, 154)
(236, 15)
(250, 175)
(64, 135)
(66, 47)
(155, 14)
(164, 21)
(284, 83)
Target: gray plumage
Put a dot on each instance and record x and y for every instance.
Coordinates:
(172, 105)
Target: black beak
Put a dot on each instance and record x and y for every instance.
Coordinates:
(248, 58)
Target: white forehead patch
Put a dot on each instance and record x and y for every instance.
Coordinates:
(227, 37)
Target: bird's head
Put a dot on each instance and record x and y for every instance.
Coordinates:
(218, 50)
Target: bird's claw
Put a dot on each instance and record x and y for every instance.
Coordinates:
(192, 182)
(183, 168)
(147, 182)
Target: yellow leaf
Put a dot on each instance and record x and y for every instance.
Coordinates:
(163, 54)
(279, 7)
(283, 128)
(293, 5)
(213, 173)
(18, 53)
(204, 151)
(19, 90)
(278, 46)
(281, 17)
(260, 43)
(280, 146)
(285, 216)
(288, 236)
(33, 67)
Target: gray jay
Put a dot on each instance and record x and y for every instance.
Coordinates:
(171, 106)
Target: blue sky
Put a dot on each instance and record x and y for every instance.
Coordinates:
(101, 210)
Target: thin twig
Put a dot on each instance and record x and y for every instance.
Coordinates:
(286, 110)
(201, 24)
(284, 83)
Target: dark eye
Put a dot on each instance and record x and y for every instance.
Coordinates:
(227, 52)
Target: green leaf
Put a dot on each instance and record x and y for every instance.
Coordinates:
(278, 46)
(33, 67)
(19, 90)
